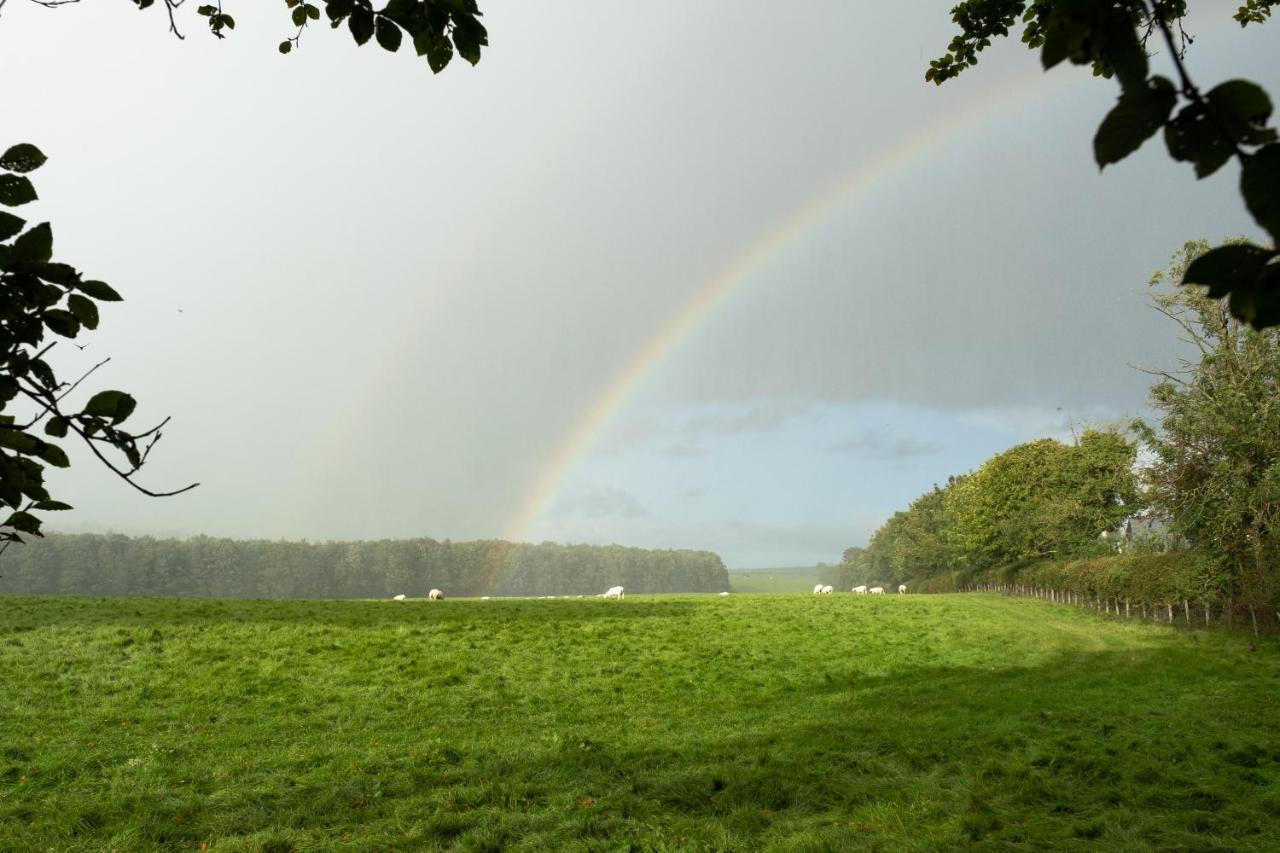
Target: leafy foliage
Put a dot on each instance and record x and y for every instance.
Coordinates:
(39, 296)
(1036, 500)
(1229, 120)
(1217, 450)
(437, 29)
(1137, 577)
(93, 564)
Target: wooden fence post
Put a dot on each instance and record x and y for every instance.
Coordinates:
(1186, 611)
(1206, 614)
(1170, 606)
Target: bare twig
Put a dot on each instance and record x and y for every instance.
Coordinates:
(170, 6)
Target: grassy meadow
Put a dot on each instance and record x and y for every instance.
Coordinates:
(784, 580)
(663, 723)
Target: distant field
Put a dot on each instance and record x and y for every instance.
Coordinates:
(797, 722)
(773, 580)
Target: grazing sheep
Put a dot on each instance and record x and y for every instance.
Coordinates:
(902, 589)
(817, 590)
(723, 594)
(613, 592)
(399, 597)
(436, 595)
(860, 590)
(877, 590)
(828, 589)
(484, 598)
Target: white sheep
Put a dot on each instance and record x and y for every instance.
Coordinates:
(817, 589)
(877, 590)
(723, 594)
(484, 598)
(828, 589)
(860, 590)
(436, 595)
(902, 589)
(399, 597)
(613, 592)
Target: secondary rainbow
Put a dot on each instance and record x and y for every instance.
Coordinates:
(743, 269)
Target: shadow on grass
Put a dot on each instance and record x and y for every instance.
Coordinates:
(1131, 748)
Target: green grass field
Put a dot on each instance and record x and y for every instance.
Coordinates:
(784, 580)
(665, 723)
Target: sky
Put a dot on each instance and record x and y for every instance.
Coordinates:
(669, 275)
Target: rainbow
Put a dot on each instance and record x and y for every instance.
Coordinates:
(765, 252)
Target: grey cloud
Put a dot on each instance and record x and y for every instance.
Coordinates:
(879, 447)
(751, 417)
(599, 502)
(684, 449)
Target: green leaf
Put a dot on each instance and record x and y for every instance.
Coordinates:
(1243, 108)
(15, 190)
(1227, 268)
(35, 246)
(469, 35)
(84, 309)
(361, 24)
(116, 405)
(299, 16)
(23, 157)
(313, 12)
(338, 9)
(56, 427)
(19, 441)
(1120, 48)
(437, 48)
(54, 455)
(62, 322)
(10, 224)
(1135, 119)
(206, 10)
(24, 521)
(286, 46)
(99, 290)
(388, 34)
(228, 22)
(1193, 137)
(52, 506)
(60, 274)
(1260, 186)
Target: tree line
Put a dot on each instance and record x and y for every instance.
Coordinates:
(1048, 516)
(203, 566)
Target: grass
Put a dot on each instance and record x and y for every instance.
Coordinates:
(784, 580)
(664, 723)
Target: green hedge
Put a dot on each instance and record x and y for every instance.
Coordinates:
(1137, 578)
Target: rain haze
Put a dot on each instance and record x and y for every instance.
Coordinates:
(666, 275)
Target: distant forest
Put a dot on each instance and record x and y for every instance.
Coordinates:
(112, 564)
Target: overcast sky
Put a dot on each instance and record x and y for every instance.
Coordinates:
(382, 303)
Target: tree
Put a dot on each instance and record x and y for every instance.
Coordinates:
(39, 296)
(1229, 120)
(435, 28)
(1045, 499)
(1216, 471)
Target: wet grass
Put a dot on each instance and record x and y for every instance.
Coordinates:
(790, 722)
(772, 580)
